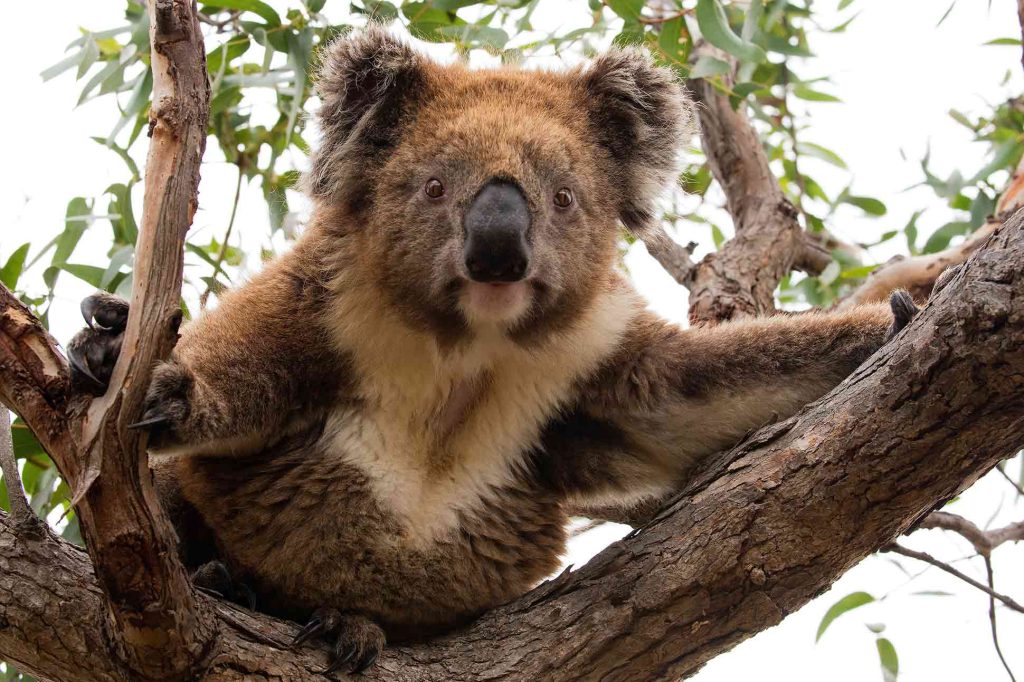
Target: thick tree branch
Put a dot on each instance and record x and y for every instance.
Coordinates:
(153, 621)
(760, 531)
(739, 280)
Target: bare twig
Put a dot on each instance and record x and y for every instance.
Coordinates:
(1002, 472)
(671, 255)
(992, 616)
(20, 510)
(984, 541)
(662, 20)
(222, 253)
(941, 565)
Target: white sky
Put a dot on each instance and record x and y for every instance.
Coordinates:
(898, 76)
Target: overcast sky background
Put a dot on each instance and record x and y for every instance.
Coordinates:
(898, 76)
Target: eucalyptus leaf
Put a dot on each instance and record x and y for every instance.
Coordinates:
(848, 603)
(714, 26)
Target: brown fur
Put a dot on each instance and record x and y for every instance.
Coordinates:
(351, 437)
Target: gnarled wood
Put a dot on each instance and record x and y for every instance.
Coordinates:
(153, 624)
(760, 531)
(739, 280)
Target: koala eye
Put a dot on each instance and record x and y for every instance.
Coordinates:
(563, 198)
(434, 189)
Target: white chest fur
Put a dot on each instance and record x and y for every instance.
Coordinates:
(438, 433)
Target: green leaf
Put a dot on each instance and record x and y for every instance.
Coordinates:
(88, 273)
(224, 54)
(888, 659)
(941, 237)
(707, 66)
(265, 11)
(717, 237)
(750, 21)
(869, 205)
(13, 268)
(823, 153)
(61, 66)
(848, 603)
(804, 92)
(714, 26)
(627, 9)
(1004, 41)
(946, 14)
(123, 153)
(843, 4)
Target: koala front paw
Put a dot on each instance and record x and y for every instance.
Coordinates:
(167, 405)
(93, 352)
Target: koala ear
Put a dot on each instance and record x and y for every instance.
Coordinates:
(641, 116)
(368, 82)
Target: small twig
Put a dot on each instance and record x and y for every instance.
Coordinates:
(984, 541)
(992, 617)
(651, 21)
(222, 254)
(929, 559)
(1002, 472)
(671, 255)
(20, 510)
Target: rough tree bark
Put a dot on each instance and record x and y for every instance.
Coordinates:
(153, 622)
(739, 280)
(760, 532)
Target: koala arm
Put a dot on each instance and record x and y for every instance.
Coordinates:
(248, 372)
(669, 396)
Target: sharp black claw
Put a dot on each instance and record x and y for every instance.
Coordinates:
(88, 308)
(368, 660)
(337, 663)
(250, 597)
(146, 422)
(313, 627)
(82, 366)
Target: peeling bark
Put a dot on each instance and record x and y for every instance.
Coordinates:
(760, 531)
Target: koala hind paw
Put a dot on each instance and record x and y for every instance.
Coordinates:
(358, 641)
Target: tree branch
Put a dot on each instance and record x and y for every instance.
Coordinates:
(942, 565)
(759, 532)
(21, 512)
(740, 279)
(152, 620)
(984, 541)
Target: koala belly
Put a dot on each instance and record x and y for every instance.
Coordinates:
(305, 528)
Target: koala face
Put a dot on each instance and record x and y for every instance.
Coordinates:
(492, 197)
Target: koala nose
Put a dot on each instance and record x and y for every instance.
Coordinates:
(496, 224)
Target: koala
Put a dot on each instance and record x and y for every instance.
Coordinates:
(384, 432)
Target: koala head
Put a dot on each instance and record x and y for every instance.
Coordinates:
(491, 197)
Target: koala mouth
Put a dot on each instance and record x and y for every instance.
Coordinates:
(495, 302)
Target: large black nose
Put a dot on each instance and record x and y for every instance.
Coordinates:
(496, 225)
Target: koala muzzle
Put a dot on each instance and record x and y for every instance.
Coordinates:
(496, 225)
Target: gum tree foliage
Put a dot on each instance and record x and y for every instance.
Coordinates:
(260, 59)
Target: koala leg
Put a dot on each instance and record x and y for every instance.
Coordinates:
(358, 641)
